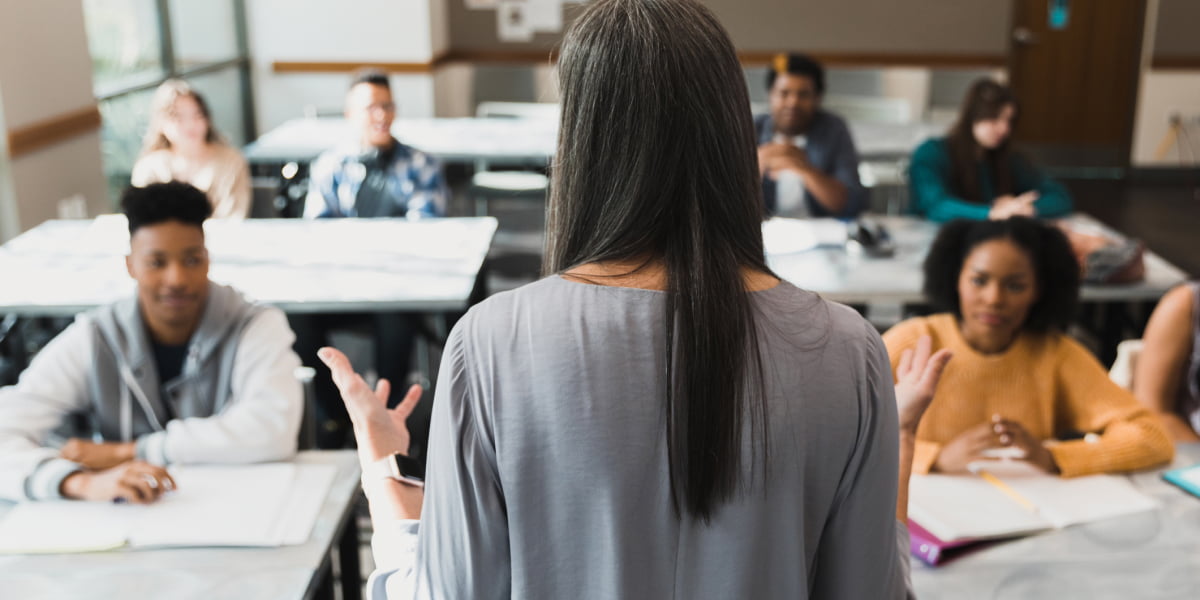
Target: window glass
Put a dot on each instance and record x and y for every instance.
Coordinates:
(202, 32)
(123, 37)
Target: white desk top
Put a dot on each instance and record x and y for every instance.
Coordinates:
(516, 140)
(63, 267)
(854, 278)
(1147, 555)
(285, 573)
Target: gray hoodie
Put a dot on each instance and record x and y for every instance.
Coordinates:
(236, 400)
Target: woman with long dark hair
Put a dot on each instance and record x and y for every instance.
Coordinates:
(661, 416)
(974, 173)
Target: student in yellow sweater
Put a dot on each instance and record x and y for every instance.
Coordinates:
(1009, 289)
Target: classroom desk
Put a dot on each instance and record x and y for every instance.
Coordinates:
(286, 573)
(1153, 555)
(510, 141)
(843, 275)
(60, 268)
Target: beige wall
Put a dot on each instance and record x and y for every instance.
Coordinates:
(45, 72)
(342, 31)
(901, 26)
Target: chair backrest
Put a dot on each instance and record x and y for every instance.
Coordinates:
(518, 110)
(307, 437)
(1121, 372)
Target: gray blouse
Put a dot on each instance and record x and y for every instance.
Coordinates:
(547, 469)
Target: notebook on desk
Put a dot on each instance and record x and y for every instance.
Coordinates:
(1005, 499)
(234, 506)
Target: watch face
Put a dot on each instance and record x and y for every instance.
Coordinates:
(410, 468)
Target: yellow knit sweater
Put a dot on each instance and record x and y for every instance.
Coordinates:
(1048, 383)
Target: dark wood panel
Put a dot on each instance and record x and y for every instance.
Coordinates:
(1078, 85)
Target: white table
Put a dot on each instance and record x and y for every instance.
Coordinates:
(326, 265)
(511, 140)
(1154, 555)
(285, 573)
(850, 277)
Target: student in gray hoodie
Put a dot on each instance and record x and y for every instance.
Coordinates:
(187, 371)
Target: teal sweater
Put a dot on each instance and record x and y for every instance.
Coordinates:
(929, 183)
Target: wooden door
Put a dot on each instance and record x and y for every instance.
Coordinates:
(1073, 65)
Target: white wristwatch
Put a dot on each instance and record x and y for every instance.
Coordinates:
(397, 466)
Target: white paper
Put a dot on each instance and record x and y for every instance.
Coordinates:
(545, 15)
(512, 21)
(954, 507)
(961, 507)
(1066, 502)
(252, 505)
(60, 526)
(217, 506)
(787, 236)
(299, 514)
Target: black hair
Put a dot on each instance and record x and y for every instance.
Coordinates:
(160, 202)
(656, 162)
(1056, 269)
(985, 100)
(797, 64)
(371, 76)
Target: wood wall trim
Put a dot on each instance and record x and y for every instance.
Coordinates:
(1175, 63)
(30, 138)
(350, 66)
(832, 59)
(887, 59)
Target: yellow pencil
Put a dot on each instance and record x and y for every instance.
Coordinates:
(1008, 491)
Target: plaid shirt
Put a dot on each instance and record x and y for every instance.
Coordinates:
(413, 186)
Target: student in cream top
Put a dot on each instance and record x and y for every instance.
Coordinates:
(182, 145)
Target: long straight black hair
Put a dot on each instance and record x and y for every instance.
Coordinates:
(656, 162)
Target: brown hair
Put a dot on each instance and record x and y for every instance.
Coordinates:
(985, 100)
(162, 107)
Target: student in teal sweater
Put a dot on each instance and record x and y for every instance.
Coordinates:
(973, 173)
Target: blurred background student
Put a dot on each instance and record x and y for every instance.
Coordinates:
(182, 145)
(1167, 373)
(1008, 290)
(974, 173)
(806, 157)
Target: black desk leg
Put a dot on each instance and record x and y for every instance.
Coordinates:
(348, 561)
(324, 589)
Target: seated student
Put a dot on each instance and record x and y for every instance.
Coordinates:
(375, 176)
(1018, 382)
(805, 154)
(973, 172)
(1166, 377)
(186, 371)
(182, 145)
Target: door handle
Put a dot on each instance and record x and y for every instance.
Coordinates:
(1023, 36)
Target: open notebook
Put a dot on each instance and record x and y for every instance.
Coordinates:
(1005, 499)
(253, 505)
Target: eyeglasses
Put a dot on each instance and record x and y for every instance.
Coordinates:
(387, 107)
